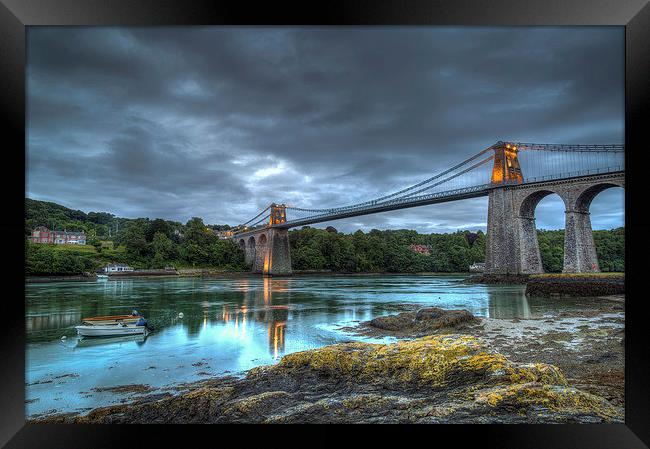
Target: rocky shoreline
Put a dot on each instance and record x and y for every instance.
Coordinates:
(565, 368)
(559, 284)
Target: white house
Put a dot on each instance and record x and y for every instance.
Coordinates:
(117, 268)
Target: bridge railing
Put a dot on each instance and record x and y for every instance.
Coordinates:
(575, 174)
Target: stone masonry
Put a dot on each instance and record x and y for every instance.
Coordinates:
(267, 251)
(512, 246)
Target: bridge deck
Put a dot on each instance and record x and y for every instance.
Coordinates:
(423, 200)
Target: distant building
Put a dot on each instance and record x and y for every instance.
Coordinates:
(420, 249)
(477, 267)
(43, 235)
(117, 268)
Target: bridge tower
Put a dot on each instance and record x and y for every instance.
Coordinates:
(506, 169)
(267, 249)
(278, 214)
(502, 251)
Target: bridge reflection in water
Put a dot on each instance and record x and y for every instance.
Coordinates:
(508, 304)
(261, 317)
(253, 313)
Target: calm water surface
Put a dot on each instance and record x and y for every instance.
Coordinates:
(229, 325)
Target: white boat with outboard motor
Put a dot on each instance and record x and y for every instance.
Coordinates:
(107, 330)
(113, 325)
(138, 339)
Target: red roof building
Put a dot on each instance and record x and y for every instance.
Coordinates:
(420, 249)
(43, 235)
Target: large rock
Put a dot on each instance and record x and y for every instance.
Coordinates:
(436, 379)
(423, 321)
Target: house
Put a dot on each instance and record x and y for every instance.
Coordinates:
(41, 234)
(420, 249)
(477, 267)
(117, 268)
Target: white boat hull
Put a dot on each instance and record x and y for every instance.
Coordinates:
(110, 330)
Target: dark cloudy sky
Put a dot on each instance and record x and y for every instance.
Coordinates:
(219, 122)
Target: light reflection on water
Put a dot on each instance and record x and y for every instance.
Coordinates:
(229, 325)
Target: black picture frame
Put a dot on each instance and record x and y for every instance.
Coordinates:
(15, 15)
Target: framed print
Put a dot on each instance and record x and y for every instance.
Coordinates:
(346, 213)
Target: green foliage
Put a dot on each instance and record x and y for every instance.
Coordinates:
(382, 251)
(145, 243)
(42, 259)
(551, 248)
(610, 248)
(141, 242)
(388, 251)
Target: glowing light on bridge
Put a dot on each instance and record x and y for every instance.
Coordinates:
(506, 165)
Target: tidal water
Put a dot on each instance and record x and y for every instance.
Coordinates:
(229, 325)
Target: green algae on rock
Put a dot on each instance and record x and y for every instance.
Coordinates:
(435, 379)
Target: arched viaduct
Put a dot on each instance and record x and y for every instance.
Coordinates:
(512, 247)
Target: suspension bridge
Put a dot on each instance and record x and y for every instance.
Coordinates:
(514, 175)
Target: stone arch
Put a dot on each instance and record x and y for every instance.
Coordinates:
(262, 239)
(580, 248)
(583, 201)
(531, 259)
(249, 250)
(529, 203)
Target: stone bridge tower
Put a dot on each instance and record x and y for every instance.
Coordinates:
(267, 249)
(511, 246)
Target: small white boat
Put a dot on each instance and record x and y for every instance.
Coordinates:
(113, 325)
(138, 339)
(102, 276)
(107, 330)
(113, 319)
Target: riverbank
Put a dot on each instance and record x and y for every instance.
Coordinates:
(559, 284)
(563, 367)
(585, 339)
(436, 379)
(210, 272)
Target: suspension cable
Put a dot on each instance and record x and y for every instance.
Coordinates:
(400, 192)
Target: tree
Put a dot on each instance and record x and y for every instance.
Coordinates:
(135, 241)
(158, 226)
(163, 249)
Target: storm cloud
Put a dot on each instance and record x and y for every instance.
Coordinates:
(218, 122)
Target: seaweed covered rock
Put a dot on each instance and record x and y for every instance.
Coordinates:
(423, 321)
(436, 379)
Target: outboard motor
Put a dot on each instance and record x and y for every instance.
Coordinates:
(142, 322)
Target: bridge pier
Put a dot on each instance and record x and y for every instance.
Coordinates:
(512, 246)
(268, 251)
(502, 255)
(579, 247)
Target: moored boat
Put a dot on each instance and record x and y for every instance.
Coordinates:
(82, 342)
(110, 325)
(107, 330)
(112, 319)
